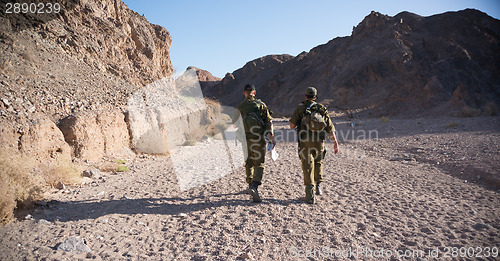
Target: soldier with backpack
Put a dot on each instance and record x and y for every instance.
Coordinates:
(258, 125)
(313, 125)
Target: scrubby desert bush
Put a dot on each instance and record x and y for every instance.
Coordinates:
(470, 112)
(19, 186)
(108, 166)
(189, 143)
(122, 168)
(23, 179)
(117, 165)
(112, 165)
(120, 161)
(62, 170)
(7, 201)
(490, 109)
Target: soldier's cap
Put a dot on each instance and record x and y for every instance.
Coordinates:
(311, 92)
(249, 87)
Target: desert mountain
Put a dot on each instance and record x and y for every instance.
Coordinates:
(90, 55)
(206, 79)
(406, 65)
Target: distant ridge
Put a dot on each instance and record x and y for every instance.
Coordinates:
(406, 65)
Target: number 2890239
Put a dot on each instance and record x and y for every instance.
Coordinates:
(32, 8)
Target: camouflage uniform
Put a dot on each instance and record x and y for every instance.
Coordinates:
(255, 150)
(311, 147)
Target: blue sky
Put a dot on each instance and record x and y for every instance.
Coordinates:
(220, 36)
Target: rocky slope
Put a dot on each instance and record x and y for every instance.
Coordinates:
(92, 53)
(405, 65)
(105, 35)
(69, 75)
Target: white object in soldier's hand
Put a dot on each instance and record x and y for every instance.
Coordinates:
(274, 154)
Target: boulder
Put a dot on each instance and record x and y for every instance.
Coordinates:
(93, 135)
(91, 173)
(43, 140)
(75, 245)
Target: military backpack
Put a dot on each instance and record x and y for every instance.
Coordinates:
(252, 121)
(314, 117)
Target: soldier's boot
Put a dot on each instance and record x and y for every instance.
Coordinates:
(319, 192)
(310, 194)
(255, 193)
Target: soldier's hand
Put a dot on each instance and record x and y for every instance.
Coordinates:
(335, 143)
(335, 147)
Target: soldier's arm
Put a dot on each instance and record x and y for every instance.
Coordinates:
(271, 134)
(331, 132)
(335, 143)
(294, 120)
(269, 118)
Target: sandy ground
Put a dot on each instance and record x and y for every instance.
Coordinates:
(423, 188)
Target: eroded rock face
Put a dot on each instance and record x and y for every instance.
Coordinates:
(93, 135)
(405, 65)
(43, 140)
(103, 34)
(115, 132)
(90, 56)
(76, 68)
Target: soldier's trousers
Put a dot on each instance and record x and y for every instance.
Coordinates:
(255, 154)
(311, 154)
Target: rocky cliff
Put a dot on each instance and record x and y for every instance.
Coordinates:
(406, 65)
(66, 77)
(104, 34)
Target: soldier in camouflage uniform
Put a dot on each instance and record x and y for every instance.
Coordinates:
(311, 144)
(255, 150)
